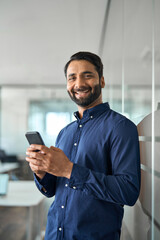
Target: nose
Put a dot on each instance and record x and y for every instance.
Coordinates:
(79, 82)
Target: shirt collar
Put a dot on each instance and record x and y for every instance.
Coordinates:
(92, 112)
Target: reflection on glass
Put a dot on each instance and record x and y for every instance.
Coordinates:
(146, 136)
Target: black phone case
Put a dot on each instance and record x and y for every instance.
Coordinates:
(34, 138)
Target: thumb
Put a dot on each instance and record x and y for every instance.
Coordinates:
(55, 149)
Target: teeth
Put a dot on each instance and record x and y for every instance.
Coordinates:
(85, 91)
(82, 91)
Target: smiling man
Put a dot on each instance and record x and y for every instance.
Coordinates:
(84, 84)
(94, 170)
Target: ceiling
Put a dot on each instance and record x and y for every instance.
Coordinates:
(37, 38)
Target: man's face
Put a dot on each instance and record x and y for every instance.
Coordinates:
(83, 83)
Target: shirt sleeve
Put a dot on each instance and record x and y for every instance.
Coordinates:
(123, 185)
(46, 185)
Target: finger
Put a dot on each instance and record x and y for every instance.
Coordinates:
(36, 155)
(34, 168)
(30, 160)
(37, 165)
(29, 149)
(34, 162)
(39, 147)
(52, 147)
(31, 152)
(28, 152)
(55, 149)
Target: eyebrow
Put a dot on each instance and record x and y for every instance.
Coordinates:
(72, 74)
(88, 72)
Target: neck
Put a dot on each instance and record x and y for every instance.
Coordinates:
(95, 103)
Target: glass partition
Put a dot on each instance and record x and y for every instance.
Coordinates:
(133, 62)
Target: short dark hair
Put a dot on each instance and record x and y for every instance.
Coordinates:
(88, 56)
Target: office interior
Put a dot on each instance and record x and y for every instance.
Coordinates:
(36, 40)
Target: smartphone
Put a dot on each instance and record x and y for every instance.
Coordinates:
(34, 137)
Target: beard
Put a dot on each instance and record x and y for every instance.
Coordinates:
(94, 93)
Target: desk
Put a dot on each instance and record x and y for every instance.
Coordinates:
(24, 194)
(7, 167)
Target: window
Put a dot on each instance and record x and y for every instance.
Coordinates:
(55, 121)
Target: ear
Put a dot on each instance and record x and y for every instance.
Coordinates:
(102, 82)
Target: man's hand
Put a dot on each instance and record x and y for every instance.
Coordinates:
(51, 160)
(39, 173)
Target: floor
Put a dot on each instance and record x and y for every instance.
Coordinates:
(13, 223)
(13, 219)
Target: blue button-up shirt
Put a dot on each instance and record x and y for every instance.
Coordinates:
(104, 148)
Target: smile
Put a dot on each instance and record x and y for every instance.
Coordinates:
(81, 93)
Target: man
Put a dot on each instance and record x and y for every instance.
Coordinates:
(95, 167)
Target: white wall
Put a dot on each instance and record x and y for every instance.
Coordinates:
(37, 37)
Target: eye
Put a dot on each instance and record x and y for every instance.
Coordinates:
(71, 78)
(88, 76)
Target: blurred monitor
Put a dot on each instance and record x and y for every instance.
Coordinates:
(3, 184)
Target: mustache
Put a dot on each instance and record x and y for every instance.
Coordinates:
(82, 89)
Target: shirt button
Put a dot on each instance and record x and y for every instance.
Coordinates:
(62, 206)
(75, 144)
(60, 229)
(74, 187)
(66, 185)
(80, 125)
(91, 116)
